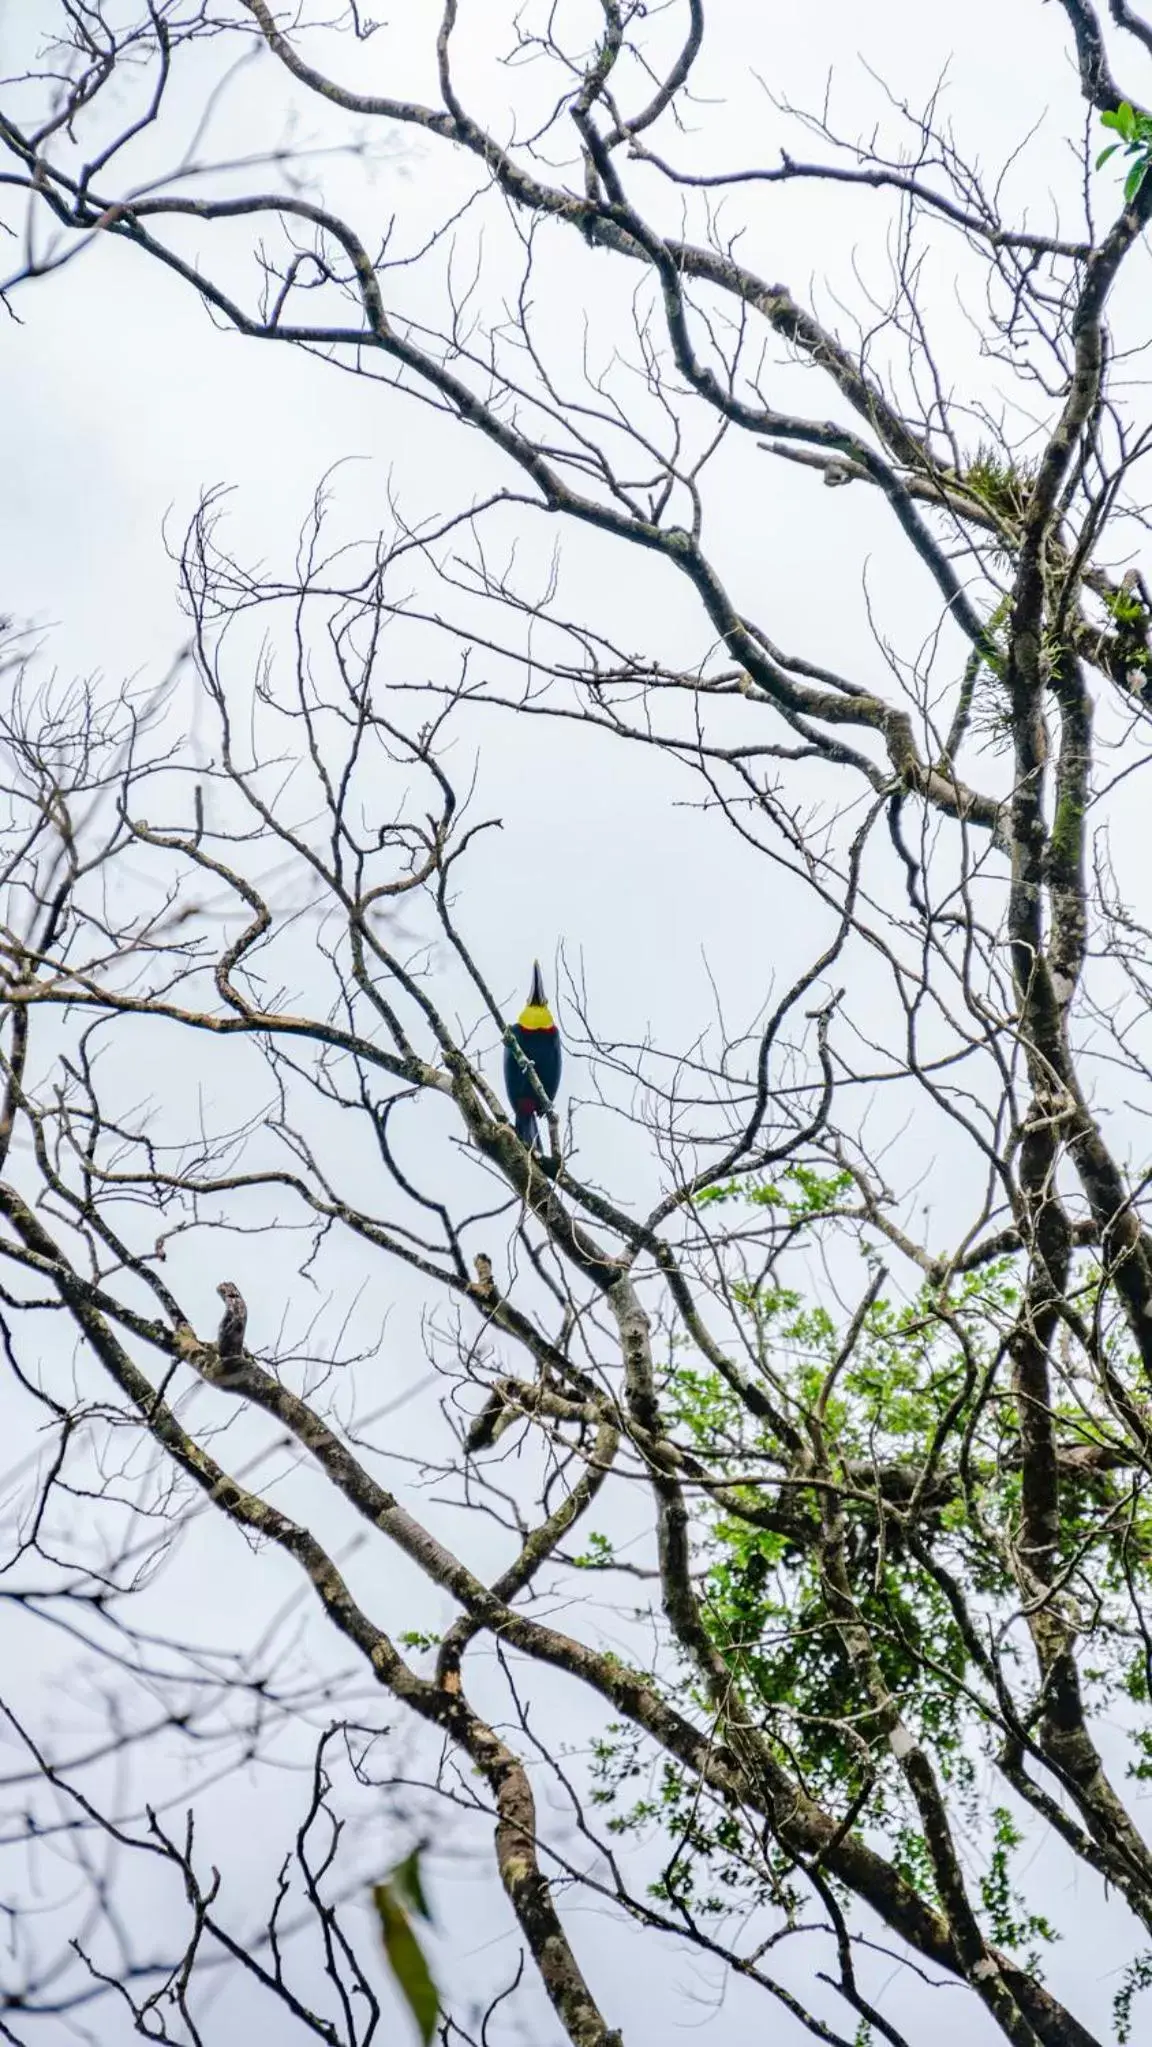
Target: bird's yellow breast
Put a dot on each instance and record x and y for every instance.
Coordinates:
(537, 1017)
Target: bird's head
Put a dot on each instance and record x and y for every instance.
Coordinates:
(536, 1016)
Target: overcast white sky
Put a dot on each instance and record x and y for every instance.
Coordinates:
(120, 402)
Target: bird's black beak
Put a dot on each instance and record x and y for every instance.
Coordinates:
(536, 995)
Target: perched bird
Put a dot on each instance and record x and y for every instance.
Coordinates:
(536, 1033)
(230, 1338)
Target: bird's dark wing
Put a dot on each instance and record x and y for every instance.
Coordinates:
(548, 1059)
(516, 1083)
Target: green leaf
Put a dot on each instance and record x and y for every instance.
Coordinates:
(401, 1894)
(1123, 120)
(1134, 180)
(406, 1882)
(1105, 154)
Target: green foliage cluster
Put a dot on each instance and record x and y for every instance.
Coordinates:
(1134, 130)
(1003, 485)
(1126, 608)
(925, 1400)
(1132, 625)
(1137, 1977)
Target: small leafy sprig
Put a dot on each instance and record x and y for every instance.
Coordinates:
(1135, 132)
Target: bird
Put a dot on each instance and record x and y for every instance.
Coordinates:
(536, 1034)
(230, 1337)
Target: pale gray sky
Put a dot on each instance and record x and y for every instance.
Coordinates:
(122, 402)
